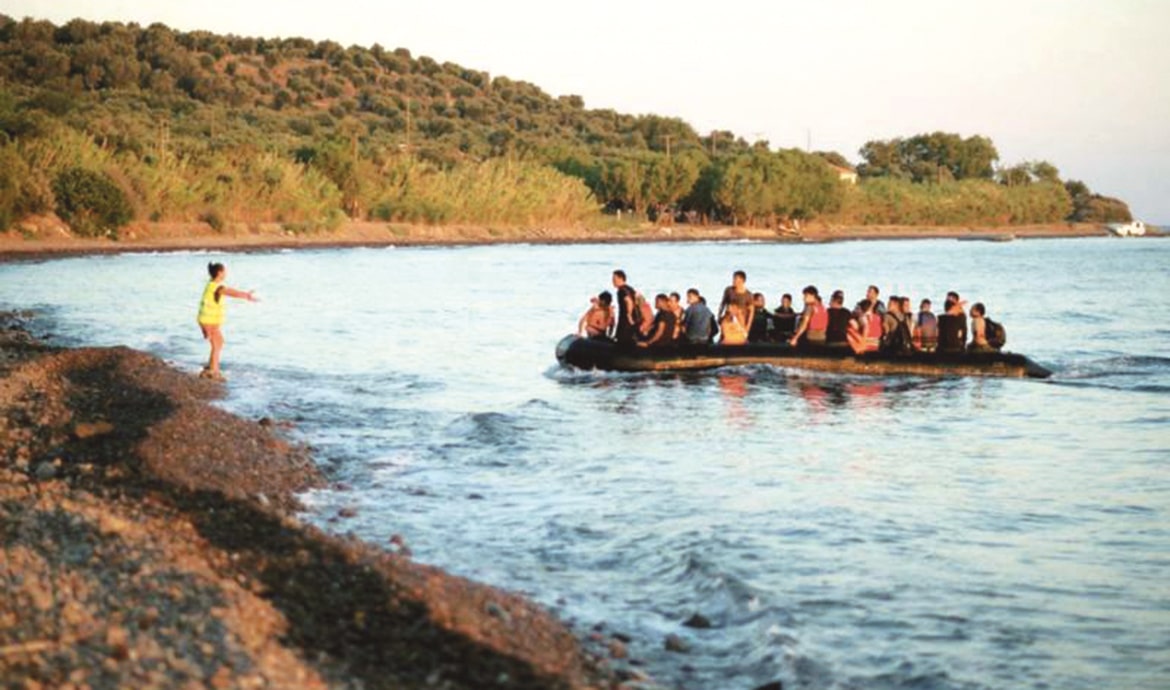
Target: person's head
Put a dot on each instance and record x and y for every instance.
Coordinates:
(217, 271)
(739, 279)
(872, 293)
(811, 296)
(675, 298)
(661, 301)
(952, 296)
(786, 300)
(895, 305)
(906, 307)
(758, 300)
(619, 278)
(977, 310)
(949, 306)
(924, 306)
(693, 296)
(838, 299)
(605, 299)
(865, 306)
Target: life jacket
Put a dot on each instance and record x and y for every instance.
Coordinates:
(873, 332)
(211, 306)
(819, 321)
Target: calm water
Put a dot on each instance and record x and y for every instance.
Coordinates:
(839, 532)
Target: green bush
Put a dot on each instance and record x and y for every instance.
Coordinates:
(91, 202)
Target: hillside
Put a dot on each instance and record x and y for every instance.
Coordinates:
(104, 123)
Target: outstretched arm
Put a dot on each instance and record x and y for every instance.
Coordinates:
(239, 294)
(805, 318)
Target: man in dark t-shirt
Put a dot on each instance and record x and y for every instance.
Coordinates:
(627, 319)
(763, 327)
(952, 326)
(838, 329)
(662, 330)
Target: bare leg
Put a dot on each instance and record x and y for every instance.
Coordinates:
(216, 338)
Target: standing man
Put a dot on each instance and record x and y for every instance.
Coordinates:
(738, 294)
(627, 323)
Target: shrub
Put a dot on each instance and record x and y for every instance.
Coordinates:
(91, 202)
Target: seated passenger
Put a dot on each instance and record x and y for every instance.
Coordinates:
(662, 327)
(952, 326)
(762, 326)
(645, 315)
(814, 320)
(837, 331)
(784, 319)
(698, 321)
(871, 295)
(677, 309)
(599, 320)
(732, 326)
(865, 331)
(926, 328)
(980, 330)
(896, 335)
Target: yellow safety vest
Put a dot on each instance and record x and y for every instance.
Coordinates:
(211, 310)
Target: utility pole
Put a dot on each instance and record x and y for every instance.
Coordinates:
(668, 137)
(714, 136)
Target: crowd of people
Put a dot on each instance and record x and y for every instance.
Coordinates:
(743, 317)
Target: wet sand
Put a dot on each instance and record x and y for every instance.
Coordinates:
(47, 237)
(148, 540)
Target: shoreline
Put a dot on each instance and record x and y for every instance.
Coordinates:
(150, 540)
(49, 238)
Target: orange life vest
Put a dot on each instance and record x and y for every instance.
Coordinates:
(873, 332)
(819, 321)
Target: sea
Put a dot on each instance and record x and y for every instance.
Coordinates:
(836, 531)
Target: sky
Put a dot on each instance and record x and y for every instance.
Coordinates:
(1084, 84)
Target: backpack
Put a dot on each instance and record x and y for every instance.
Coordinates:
(899, 339)
(995, 333)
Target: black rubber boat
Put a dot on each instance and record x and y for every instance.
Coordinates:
(605, 355)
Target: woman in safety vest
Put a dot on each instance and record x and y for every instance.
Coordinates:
(211, 313)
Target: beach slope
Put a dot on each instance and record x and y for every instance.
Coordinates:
(148, 540)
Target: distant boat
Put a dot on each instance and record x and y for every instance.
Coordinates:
(1133, 229)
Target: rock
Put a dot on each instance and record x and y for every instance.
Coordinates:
(774, 685)
(674, 643)
(496, 611)
(45, 471)
(347, 512)
(265, 422)
(622, 636)
(630, 674)
(699, 621)
(475, 497)
(618, 650)
(84, 430)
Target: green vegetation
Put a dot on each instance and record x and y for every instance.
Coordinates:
(104, 122)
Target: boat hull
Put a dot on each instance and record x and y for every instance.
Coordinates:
(605, 355)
